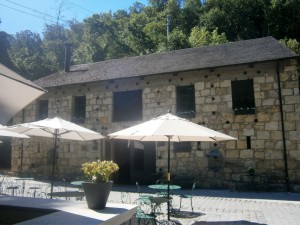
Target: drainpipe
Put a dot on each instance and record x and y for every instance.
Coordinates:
(283, 131)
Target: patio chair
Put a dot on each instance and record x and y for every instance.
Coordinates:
(142, 196)
(143, 212)
(190, 196)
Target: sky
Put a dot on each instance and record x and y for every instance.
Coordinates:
(20, 15)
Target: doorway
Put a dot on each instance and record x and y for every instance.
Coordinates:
(5, 153)
(137, 161)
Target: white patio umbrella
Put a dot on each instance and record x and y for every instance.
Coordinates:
(56, 128)
(15, 93)
(6, 133)
(170, 128)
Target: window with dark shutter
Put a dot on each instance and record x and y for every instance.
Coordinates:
(79, 109)
(43, 110)
(184, 146)
(243, 101)
(127, 106)
(185, 101)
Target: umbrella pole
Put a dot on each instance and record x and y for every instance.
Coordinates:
(53, 161)
(169, 178)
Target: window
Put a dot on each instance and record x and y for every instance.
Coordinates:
(185, 101)
(79, 109)
(243, 102)
(42, 110)
(184, 146)
(127, 106)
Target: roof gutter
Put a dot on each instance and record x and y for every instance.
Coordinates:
(287, 182)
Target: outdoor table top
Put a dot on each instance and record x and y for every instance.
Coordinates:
(164, 186)
(24, 178)
(67, 194)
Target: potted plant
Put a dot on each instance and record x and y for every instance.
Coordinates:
(99, 183)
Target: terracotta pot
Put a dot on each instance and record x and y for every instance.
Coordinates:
(96, 194)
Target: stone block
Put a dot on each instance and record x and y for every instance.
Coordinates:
(258, 144)
(265, 135)
(276, 135)
(294, 135)
(230, 145)
(232, 154)
(271, 126)
(199, 86)
(248, 132)
(246, 154)
(259, 155)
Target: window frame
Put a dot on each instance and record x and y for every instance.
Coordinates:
(79, 109)
(127, 106)
(186, 101)
(243, 98)
(41, 114)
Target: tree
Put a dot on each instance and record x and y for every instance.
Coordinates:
(203, 37)
(238, 19)
(191, 12)
(5, 40)
(27, 55)
(54, 46)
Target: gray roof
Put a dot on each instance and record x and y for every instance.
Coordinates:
(234, 53)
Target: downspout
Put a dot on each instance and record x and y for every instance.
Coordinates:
(287, 182)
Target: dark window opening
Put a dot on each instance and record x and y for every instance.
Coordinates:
(79, 109)
(127, 106)
(243, 101)
(184, 146)
(138, 160)
(43, 110)
(248, 142)
(185, 101)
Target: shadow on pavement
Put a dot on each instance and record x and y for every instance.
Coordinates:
(186, 214)
(240, 222)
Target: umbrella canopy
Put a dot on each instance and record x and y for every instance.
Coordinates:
(6, 133)
(15, 93)
(170, 128)
(56, 128)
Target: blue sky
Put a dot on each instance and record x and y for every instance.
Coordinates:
(19, 15)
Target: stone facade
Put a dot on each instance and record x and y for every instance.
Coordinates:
(213, 102)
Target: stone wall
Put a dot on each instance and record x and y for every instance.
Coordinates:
(213, 109)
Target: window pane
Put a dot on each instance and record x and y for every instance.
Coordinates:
(185, 101)
(79, 109)
(243, 101)
(127, 106)
(43, 110)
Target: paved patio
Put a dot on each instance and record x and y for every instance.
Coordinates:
(223, 207)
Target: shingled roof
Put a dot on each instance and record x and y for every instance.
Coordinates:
(235, 53)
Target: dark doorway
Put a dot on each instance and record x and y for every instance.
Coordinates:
(5, 153)
(137, 161)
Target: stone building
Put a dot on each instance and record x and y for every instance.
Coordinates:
(247, 89)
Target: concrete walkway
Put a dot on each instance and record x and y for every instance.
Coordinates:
(223, 207)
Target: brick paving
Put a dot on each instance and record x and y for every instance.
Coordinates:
(222, 207)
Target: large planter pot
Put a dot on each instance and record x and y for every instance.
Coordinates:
(96, 194)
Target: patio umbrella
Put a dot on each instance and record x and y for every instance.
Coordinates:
(56, 128)
(170, 128)
(6, 133)
(15, 93)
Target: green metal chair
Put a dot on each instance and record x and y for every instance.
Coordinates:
(143, 196)
(190, 196)
(143, 212)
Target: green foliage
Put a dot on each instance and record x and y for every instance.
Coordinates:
(99, 171)
(203, 37)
